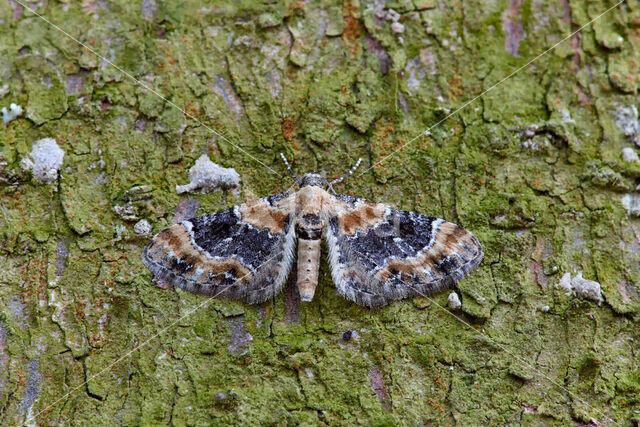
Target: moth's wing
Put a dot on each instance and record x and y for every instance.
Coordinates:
(244, 253)
(378, 253)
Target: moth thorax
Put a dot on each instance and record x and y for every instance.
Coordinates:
(308, 266)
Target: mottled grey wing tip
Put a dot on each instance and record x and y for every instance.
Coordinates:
(472, 263)
(472, 248)
(250, 289)
(164, 274)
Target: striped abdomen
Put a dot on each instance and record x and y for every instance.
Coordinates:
(308, 231)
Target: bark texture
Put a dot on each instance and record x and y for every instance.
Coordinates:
(543, 169)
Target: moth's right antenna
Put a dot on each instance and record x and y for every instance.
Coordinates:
(343, 177)
(346, 175)
(293, 175)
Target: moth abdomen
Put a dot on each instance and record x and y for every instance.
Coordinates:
(308, 267)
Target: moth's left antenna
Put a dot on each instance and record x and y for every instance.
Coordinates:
(293, 175)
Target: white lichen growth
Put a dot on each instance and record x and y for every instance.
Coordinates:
(588, 289)
(126, 211)
(565, 283)
(454, 301)
(14, 111)
(627, 120)
(391, 15)
(631, 203)
(397, 28)
(45, 160)
(566, 116)
(629, 155)
(121, 231)
(142, 227)
(208, 176)
(583, 288)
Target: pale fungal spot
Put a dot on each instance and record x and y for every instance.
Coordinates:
(397, 28)
(583, 288)
(530, 131)
(149, 9)
(208, 176)
(45, 160)
(588, 289)
(627, 120)
(631, 203)
(121, 231)
(10, 114)
(629, 155)
(392, 15)
(454, 301)
(565, 283)
(566, 116)
(142, 227)
(126, 211)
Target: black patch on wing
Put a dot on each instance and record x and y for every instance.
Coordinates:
(222, 234)
(402, 235)
(276, 198)
(345, 198)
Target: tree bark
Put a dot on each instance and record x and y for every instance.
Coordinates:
(539, 160)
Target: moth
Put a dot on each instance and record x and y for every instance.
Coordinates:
(377, 253)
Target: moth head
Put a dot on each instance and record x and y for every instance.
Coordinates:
(313, 179)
